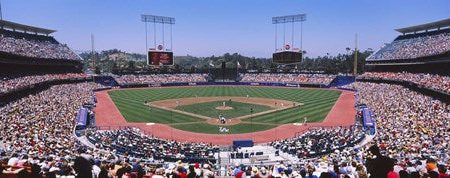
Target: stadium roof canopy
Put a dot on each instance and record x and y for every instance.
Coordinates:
(425, 27)
(25, 28)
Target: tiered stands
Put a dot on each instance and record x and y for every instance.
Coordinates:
(431, 81)
(132, 142)
(29, 49)
(160, 78)
(288, 78)
(8, 83)
(415, 46)
(422, 48)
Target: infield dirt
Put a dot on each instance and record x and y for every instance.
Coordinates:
(275, 104)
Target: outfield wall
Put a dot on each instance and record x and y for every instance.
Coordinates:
(309, 85)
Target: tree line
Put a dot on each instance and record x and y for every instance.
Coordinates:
(120, 62)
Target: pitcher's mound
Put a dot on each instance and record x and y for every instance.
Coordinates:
(223, 108)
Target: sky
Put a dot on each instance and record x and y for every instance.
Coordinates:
(215, 27)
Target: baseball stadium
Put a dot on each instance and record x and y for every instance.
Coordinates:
(234, 90)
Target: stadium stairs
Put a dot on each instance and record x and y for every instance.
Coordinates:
(341, 81)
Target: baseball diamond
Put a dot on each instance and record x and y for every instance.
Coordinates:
(253, 108)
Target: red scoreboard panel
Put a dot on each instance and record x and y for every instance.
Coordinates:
(287, 57)
(159, 58)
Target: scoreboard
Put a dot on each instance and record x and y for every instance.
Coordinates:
(287, 57)
(159, 58)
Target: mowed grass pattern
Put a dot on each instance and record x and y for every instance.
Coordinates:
(316, 105)
(209, 109)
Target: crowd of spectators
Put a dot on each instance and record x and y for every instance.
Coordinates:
(411, 128)
(39, 128)
(42, 124)
(86, 166)
(432, 81)
(288, 78)
(413, 137)
(8, 83)
(346, 164)
(161, 78)
(321, 141)
(34, 46)
(414, 47)
(133, 142)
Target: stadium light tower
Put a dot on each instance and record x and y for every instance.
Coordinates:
(159, 51)
(157, 20)
(289, 19)
(288, 53)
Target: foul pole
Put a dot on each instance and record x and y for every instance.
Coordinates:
(355, 61)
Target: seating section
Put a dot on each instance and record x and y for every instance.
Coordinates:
(288, 78)
(161, 78)
(37, 140)
(432, 81)
(9, 83)
(415, 46)
(410, 126)
(133, 142)
(321, 141)
(34, 46)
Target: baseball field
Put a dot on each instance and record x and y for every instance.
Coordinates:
(246, 109)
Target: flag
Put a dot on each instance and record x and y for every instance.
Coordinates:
(238, 65)
(211, 64)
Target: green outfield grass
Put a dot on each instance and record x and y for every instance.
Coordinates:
(209, 109)
(316, 105)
